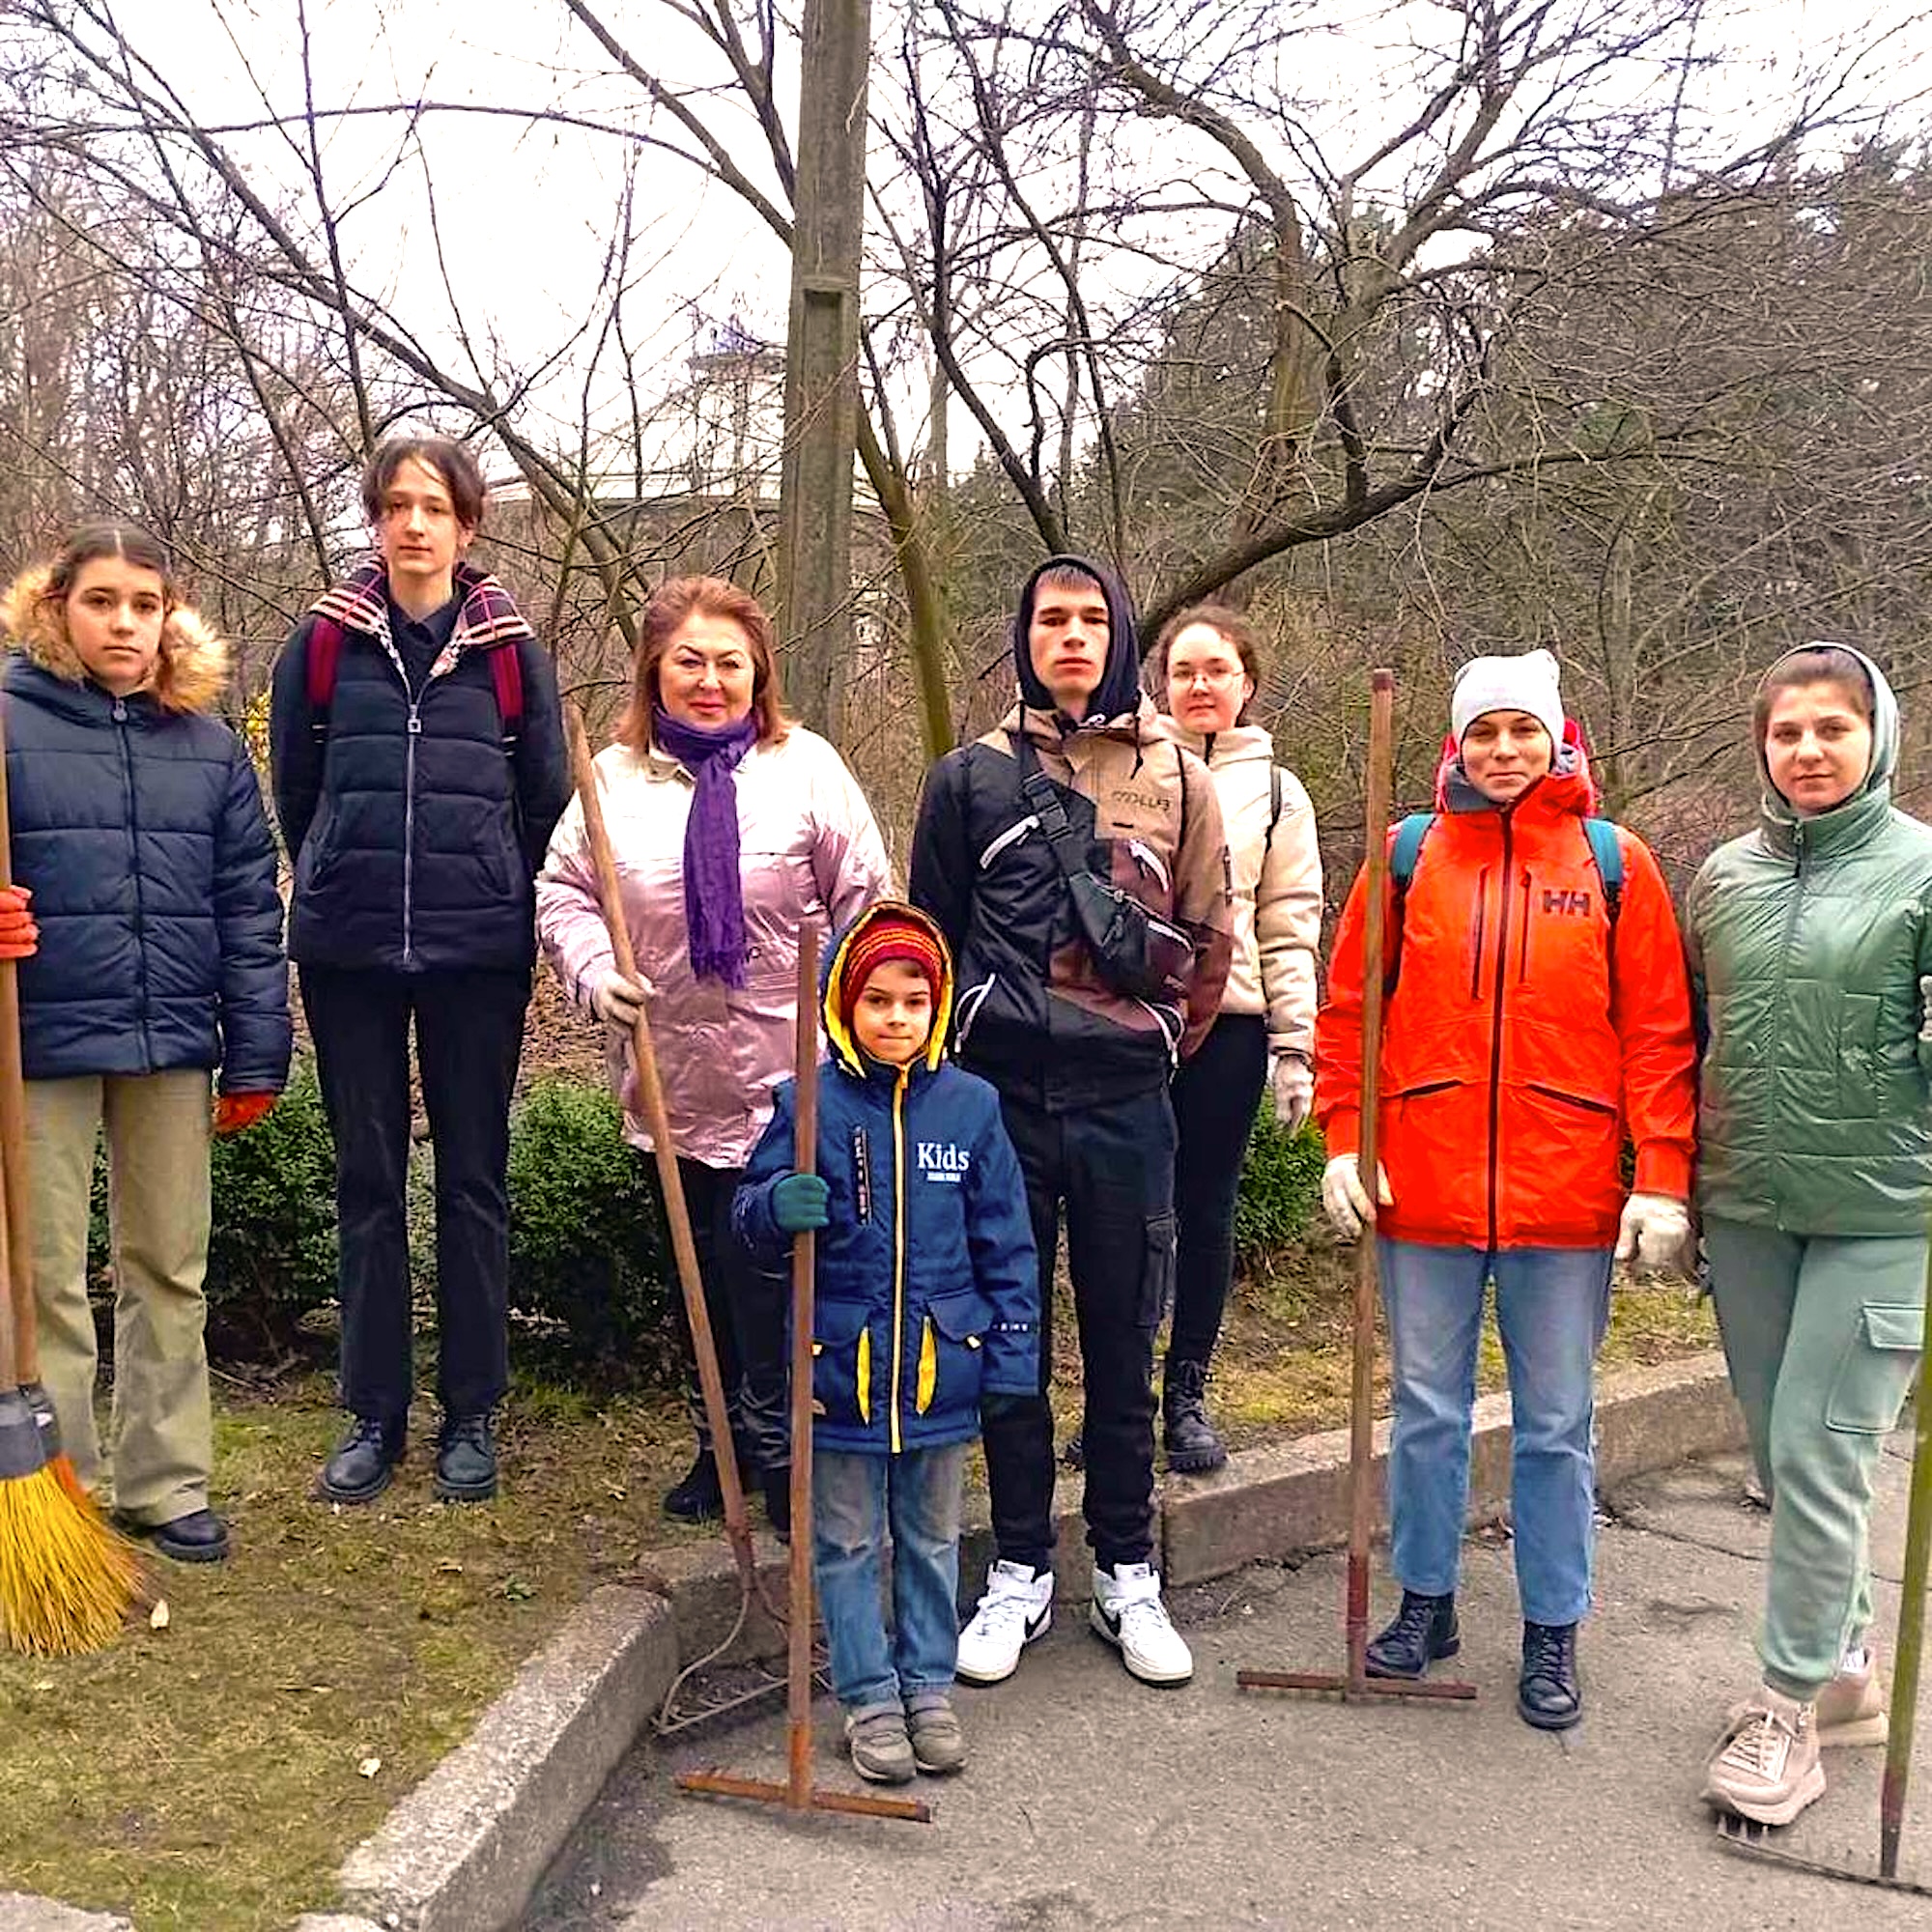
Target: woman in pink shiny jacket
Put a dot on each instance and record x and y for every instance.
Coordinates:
(732, 828)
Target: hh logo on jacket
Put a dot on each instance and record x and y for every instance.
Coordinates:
(941, 1162)
(1567, 901)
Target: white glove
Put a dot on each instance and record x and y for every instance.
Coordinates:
(1654, 1229)
(617, 1000)
(1291, 1084)
(1346, 1201)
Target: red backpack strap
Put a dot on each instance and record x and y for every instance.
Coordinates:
(324, 659)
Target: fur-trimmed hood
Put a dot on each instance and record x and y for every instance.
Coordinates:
(190, 676)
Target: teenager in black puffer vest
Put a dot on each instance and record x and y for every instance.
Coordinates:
(417, 782)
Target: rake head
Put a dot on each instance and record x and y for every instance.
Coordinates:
(1752, 1841)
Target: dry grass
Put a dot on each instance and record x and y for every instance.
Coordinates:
(209, 1776)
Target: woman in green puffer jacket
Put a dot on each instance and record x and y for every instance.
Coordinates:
(1810, 945)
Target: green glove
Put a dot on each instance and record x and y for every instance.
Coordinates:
(800, 1204)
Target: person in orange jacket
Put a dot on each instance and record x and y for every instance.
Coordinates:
(1539, 1015)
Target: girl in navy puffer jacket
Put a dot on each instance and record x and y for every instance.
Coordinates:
(927, 1303)
(138, 828)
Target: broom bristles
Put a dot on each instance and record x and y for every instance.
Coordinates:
(67, 1581)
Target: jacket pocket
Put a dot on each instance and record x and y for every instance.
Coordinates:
(952, 1353)
(1874, 1373)
(967, 1010)
(1862, 1094)
(841, 1363)
(1158, 1270)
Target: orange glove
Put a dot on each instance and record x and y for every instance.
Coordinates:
(20, 936)
(235, 1112)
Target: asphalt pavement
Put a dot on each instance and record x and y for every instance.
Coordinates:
(1093, 1801)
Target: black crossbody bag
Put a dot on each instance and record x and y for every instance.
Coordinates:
(1137, 952)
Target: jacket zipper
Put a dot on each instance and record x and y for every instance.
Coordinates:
(1496, 1030)
(1476, 948)
(899, 1245)
(1523, 951)
(1784, 947)
(409, 826)
(120, 715)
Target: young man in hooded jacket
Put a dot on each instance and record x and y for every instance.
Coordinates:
(1081, 1040)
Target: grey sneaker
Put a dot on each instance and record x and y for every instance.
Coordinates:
(879, 1746)
(938, 1744)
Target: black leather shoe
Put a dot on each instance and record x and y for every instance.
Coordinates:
(778, 1500)
(696, 1498)
(1547, 1694)
(1188, 1436)
(199, 1537)
(363, 1462)
(1424, 1631)
(465, 1460)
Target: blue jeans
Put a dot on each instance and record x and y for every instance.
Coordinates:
(1551, 1308)
(855, 1499)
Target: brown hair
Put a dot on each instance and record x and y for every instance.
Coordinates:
(1232, 626)
(1815, 664)
(93, 541)
(454, 461)
(675, 600)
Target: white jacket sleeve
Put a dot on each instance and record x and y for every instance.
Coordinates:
(1287, 922)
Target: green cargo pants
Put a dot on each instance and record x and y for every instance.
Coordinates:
(158, 1178)
(1822, 1334)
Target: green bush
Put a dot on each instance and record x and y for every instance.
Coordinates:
(590, 1274)
(271, 1248)
(1281, 1190)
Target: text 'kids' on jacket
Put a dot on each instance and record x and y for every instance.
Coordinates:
(928, 1292)
(137, 822)
(1527, 1033)
(417, 818)
(1808, 940)
(1034, 1014)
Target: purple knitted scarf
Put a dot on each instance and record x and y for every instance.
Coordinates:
(714, 895)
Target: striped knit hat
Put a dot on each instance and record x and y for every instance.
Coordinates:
(887, 932)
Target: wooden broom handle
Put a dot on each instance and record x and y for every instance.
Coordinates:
(19, 1245)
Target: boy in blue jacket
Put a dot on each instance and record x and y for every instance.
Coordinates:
(927, 1300)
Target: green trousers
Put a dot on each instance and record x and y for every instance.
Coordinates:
(157, 1179)
(1822, 1334)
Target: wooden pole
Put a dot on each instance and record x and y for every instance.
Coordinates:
(656, 1122)
(1911, 1644)
(1361, 1407)
(804, 1261)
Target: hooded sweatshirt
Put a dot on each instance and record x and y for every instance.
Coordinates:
(1526, 1037)
(926, 1286)
(1808, 938)
(138, 824)
(1034, 1014)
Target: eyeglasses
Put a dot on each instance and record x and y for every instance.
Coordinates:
(1215, 680)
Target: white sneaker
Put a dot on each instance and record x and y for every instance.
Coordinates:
(1017, 1609)
(1128, 1612)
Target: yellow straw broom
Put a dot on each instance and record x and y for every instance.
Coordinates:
(66, 1581)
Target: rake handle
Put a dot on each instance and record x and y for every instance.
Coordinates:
(1361, 1394)
(804, 1262)
(1911, 1643)
(656, 1122)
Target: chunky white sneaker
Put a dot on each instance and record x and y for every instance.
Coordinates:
(1766, 1767)
(1128, 1612)
(1017, 1609)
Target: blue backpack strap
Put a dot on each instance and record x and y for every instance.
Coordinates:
(1607, 849)
(1402, 856)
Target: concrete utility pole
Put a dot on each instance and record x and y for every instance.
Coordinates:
(821, 393)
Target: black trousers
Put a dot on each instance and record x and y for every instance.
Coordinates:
(470, 1035)
(748, 1306)
(1215, 1094)
(1112, 1168)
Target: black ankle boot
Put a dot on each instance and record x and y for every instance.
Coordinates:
(1188, 1436)
(697, 1496)
(778, 1500)
(360, 1467)
(1547, 1693)
(1424, 1629)
(466, 1459)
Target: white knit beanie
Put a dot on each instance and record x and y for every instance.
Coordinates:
(1525, 682)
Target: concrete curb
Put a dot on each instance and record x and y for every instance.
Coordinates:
(465, 1850)
(28, 1912)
